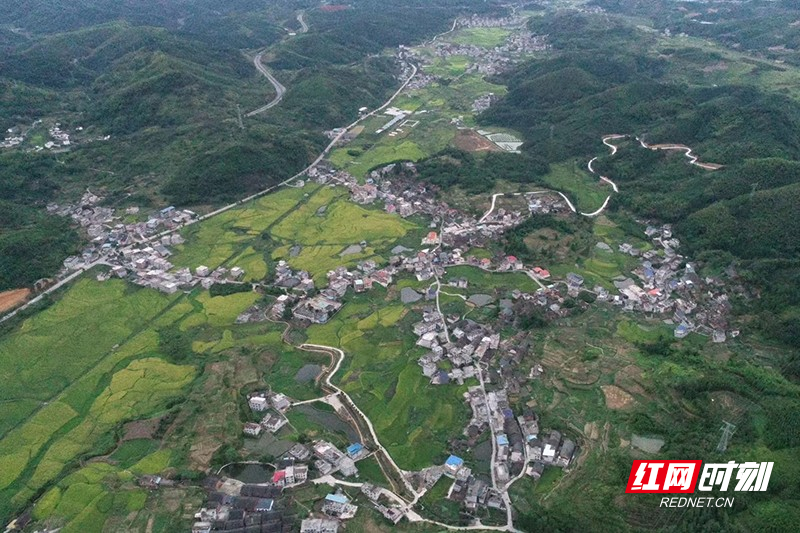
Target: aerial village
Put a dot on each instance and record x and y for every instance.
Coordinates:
(60, 140)
(666, 286)
(458, 350)
(663, 284)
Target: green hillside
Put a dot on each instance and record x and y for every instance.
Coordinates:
(608, 76)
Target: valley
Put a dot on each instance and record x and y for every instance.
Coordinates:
(422, 287)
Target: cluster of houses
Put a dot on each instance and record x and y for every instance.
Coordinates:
(330, 459)
(134, 250)
(235, 506)
(271, 407)
(389, 510)
(13, 138)
(59, 139)
(337, 507)
(319, 308)
(482, 103)
(664, 283)
(485, 21)
(546, 204)
(463, 344)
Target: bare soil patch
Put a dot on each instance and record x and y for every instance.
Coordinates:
(13, 298)
(470, 141)
(617, 398)
(140, 429)
(630, 379)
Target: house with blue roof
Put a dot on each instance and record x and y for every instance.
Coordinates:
(502, 439)
(336, 498)
(339, 505)
(453, 465)
(355, 450)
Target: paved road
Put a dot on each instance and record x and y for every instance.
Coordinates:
(693, 159)
(367, 421)
(228, 207)
(280, 90)
(302, 21)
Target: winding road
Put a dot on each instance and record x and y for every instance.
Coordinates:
(280, 90)
(302, 21)
(693, 159)
(613, 148)
(365, 418)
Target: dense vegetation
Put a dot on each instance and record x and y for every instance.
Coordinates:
(761, 26)
(602, 80)
(479, 173)
(32, 243)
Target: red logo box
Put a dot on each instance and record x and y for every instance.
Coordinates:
(663, 477)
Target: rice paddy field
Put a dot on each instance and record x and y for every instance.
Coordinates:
(429, 128)
(413, 418)
(84, 365)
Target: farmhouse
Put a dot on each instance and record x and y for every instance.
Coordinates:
(252, 429)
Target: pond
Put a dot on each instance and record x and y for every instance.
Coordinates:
(329, 421)
(249, 473)
(307, 373)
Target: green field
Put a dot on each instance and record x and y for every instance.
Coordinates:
(586, 191)
(484, 37)
(480, 280)
(413, 418)
(83, 355)
(401, 150)
(435, 106)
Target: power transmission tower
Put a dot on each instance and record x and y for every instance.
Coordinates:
(727, 432)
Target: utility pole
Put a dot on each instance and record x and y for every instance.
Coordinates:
(727, 432)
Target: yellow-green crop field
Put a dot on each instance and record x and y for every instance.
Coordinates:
(483, 37)
(413, 418)
(228, 236)
(83, 499)
(83, 360)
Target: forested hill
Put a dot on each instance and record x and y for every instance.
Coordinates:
(608, 75)
(237, 23)
(766, 27)
(160, 92)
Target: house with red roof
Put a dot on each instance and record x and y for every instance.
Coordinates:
(540, 272)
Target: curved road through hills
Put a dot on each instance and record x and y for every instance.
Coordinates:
(280, 90)
(302, 21)
(228, 207)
